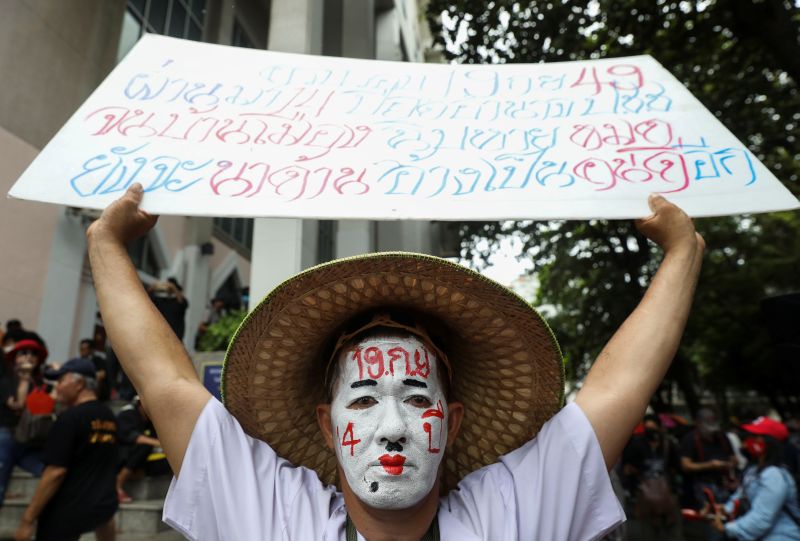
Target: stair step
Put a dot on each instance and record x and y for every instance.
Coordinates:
(132, 518)
(142, 517)
(23, 485)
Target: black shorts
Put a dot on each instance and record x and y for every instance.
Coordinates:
(55, 527)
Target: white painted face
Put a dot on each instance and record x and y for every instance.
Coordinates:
(389, 417)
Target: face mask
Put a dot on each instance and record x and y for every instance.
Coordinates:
(755, 447)
(389, 417)
(652, 435)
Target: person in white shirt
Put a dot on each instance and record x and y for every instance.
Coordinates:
(393, 396)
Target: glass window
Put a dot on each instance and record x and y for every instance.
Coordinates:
(199, 10)
(240, 38)
(176, 18)
(157, 15)
(235, 232)
(139, 5)
(195, 31)
(326, 240)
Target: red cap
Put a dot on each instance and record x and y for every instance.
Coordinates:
(764, 426)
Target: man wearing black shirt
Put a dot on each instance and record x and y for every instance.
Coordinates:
(76, 493)
(169, 300)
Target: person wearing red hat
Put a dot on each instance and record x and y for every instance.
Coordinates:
(765, 507)
(21, 382)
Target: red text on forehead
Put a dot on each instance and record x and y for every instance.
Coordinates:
(374, 363)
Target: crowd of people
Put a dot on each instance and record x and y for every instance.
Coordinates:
(705, 482)
(56, 424)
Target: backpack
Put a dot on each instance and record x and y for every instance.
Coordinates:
(37, 418)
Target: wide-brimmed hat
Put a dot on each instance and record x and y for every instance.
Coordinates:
(507, 366)
(27, 344)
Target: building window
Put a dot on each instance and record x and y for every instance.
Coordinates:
(235, 232)
(176, 18)
(326, 240)
(240, 38)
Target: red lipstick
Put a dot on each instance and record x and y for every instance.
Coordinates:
(393, 465)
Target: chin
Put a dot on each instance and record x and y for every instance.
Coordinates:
(390, 494)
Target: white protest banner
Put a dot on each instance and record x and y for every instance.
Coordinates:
(222, 131)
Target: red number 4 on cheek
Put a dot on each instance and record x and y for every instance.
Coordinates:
(348, 433)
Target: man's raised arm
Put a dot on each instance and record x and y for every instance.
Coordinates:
(152, 356)
(629, 369)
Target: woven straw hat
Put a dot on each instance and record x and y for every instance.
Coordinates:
(507, 366)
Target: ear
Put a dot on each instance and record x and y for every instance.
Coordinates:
(455, 413)
(324, 422)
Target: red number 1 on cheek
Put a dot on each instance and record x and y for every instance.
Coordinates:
(351, 442)
(437, 412)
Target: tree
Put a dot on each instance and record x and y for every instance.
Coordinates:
(741, 59)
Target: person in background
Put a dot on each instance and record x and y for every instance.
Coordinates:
(169, 300)
(765, 507)
(86, 351)
(16, 332)
(21, 376)
(215, 311)
(650, 464)
(140, 449)
(76, 493)
(707, 463)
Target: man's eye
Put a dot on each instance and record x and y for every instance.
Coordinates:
(362, 402)
(419, 401)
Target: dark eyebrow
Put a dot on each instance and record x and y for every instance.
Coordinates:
(363, 383)
(415, 383)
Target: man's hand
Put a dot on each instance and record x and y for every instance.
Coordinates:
(123, 220)
(24, 531)
(669, 226)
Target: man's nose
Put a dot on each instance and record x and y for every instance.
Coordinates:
(393, 427)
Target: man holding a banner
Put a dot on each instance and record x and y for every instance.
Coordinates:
(429, 395)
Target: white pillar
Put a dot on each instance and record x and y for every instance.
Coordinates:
(62, 285)
(198, 275)
(279, 249)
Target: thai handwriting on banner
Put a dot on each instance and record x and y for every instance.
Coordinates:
(420, 142)
(505, 171)
(291, 183)
(116, 170)
(316, 139)
(648, 152)
(290, 103)
(466, 95)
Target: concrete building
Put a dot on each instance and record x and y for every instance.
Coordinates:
(55, 53)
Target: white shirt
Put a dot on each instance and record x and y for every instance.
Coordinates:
(234, 487)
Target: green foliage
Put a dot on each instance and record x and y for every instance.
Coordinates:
(219, 334)
(741, 59)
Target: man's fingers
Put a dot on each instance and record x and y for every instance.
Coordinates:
(657, 202)
(135, 192)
